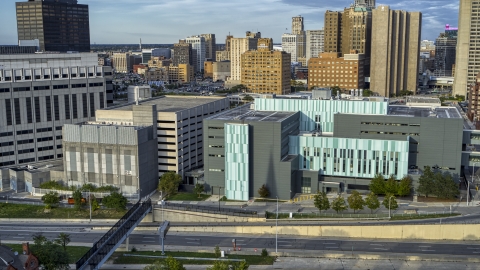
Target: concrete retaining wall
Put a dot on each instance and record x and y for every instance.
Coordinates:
(188, 216)
(403, 232)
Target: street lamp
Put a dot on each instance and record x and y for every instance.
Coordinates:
(389, 207)
(219, 188)
(276, 228)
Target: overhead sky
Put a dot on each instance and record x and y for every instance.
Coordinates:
(166, 21)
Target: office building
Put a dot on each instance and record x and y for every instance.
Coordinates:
(333, 31)
(467, 64)
(473, 112)
(237, 47)
(314, 44)
(297, 29)
(222, 56)
(14, 49)
(182, 53)
(40, 93)
(59, 25)
(445, 52)
(221, 70)
(198, 46)
(395, 50)
(210, 46)
(329, 70)
(290, 45)
(103, 154)
(208, 69)
(356, 30)
(122, 62)
(161, 52)
(265, 71)
(306, 145)
(365, 3)
(178, 123)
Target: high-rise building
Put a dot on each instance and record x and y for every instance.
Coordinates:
(290, 44)
(467, 64)
(228, 42)
(356, 30)
(314, 43)
(297, 25)
(474, 102)
(324, 71)
(297, 29)
(39, 93)
(237, 47)
(365, 3)
(198, 46)
(121, 62)
(333, 31)
(59, 25)
(266, 71)
(395, 50)
(445, 52)
(182, 53)
(210, 46)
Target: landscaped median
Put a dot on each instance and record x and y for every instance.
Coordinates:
(297, 216)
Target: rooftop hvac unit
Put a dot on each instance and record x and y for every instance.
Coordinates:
(30, 167)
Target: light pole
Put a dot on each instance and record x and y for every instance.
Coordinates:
(389, 207)
(276, 228)
(90, 202)
(219, 188)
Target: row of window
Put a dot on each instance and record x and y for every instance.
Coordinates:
(390, 124)
(390, 133)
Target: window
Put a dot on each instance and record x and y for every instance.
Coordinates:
(67, 106)
(29, 110)
(21, 89)
(46, 87)
(79, 85)
(306, 184)
(92, 104)
(85, 105)
(24, 141)
(95, 84)
(40, 130)
(6, 134)
(60, 86)
(16, 103)
(56, 108)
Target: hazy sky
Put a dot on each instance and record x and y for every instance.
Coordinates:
(166, 21)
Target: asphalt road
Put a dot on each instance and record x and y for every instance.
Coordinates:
(80, 235)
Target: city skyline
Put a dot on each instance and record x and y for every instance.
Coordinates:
(165, 22)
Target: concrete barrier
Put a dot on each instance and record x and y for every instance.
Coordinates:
(457, 232)
(190, 216)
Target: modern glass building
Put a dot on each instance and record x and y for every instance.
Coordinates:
(59, 25)
(309, 145)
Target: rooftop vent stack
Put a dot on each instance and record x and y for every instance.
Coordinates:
(361, 92)
(356, 93)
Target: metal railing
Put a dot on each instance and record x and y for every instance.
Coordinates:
(283, 215)
(118, 232)
(41, 191)
(211, 210)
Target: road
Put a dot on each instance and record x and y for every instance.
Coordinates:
(82, 234)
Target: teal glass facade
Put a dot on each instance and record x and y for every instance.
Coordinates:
(318, 114)
(236, 162)
(351, 157)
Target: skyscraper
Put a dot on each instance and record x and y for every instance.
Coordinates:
(237, 47)
(314, 43)
(297, 25)
(182, 53)
(198, 51)
(59, 25)
(467, 64)
(356, 30)
(395, 50)
(365, 3)
(445, 51)
(210, 46)
(333, 31)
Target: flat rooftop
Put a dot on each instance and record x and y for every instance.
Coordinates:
(170, 103)
(438, 112)
(35, 167)
(245, 113)
(103, 124)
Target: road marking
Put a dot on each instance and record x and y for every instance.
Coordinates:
(427, 250)
(472, 248)
(424, 246)
(381, 248)
(331, 247)
(285, 245)
(329, 243)
(18, 237)
(376, 245)
(476, 252)
(149, 241)
(192, 243)
(148, 237)
(243, 240)
(192, 239)
(283, 241)
(23, 234)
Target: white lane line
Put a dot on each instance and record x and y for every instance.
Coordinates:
(472, 248)
(18, 237)
(427, 250)
(148, 237)
(424, 246)
(331, 247)
(243, 240)
(285, 245)
(329, 243)
(192, 243)
(381, 248)
(194, 239)
(476, 252)
(23, 234)
(149, 241)
(376, 245)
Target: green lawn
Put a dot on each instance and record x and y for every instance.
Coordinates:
(10, 210)
(251, 259)
(183, 196)
(407, 217)
(74, 252)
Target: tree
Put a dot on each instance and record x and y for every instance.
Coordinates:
(116, 201)
(426, 182)
(263, 191)
(335, 89)
(89, 187)
(199, 188)
(220, 265)
(339, 205)
(355, 201)
(248, 98)
(390, 203)
(52, 185)
(63, 239)
(217, 251)
(169, 183)
(50, 199)
(50, 255)
(371, 201)
(405, 186)
(169, 263)
(77, 198)
(377, 185)
(320, 200)
(391, 186)
(445, 187)
(95, 205)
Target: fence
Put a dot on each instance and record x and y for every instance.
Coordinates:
(210, 210)
(273, 215)
(40, 192)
